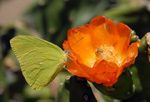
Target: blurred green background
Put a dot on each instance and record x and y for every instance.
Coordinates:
(50, 20)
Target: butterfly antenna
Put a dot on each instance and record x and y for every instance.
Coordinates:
(77, 41)
(67, 50)
(73, 36)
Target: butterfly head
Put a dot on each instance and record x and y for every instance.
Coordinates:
(67, 51)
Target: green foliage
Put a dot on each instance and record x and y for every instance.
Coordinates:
(63, 92)
(143, 67)
(30, 93)
(53, 18)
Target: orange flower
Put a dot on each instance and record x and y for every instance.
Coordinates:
(100, 50)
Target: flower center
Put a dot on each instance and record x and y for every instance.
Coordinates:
(98, 53)
(106, 53)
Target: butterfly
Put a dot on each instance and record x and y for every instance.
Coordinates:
(40, 60)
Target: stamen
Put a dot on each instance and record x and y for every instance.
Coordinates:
(99, 52)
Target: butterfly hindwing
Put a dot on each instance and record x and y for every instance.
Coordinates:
(40, 60)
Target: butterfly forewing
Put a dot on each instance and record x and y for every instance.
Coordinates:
(40, 60)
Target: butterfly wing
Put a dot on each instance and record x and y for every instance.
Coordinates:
(40, 60)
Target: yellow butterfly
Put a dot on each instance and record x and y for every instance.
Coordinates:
(40, 60)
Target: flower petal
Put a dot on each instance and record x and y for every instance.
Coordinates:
(79, 70)
(103, 67)
(97, 21)
(103, 31)
(129, 57)
(80, 44)
(124, 38)
(104, 72)
(65, 45)
(131, 53)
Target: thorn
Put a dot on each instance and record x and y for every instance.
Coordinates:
(131, 72)
(136, 37)
(148, 43)
(132, 32)
(86, 98)
(110, 88)
(68, 77)
(80, 79)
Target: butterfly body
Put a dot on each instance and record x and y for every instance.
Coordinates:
(40, 60)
